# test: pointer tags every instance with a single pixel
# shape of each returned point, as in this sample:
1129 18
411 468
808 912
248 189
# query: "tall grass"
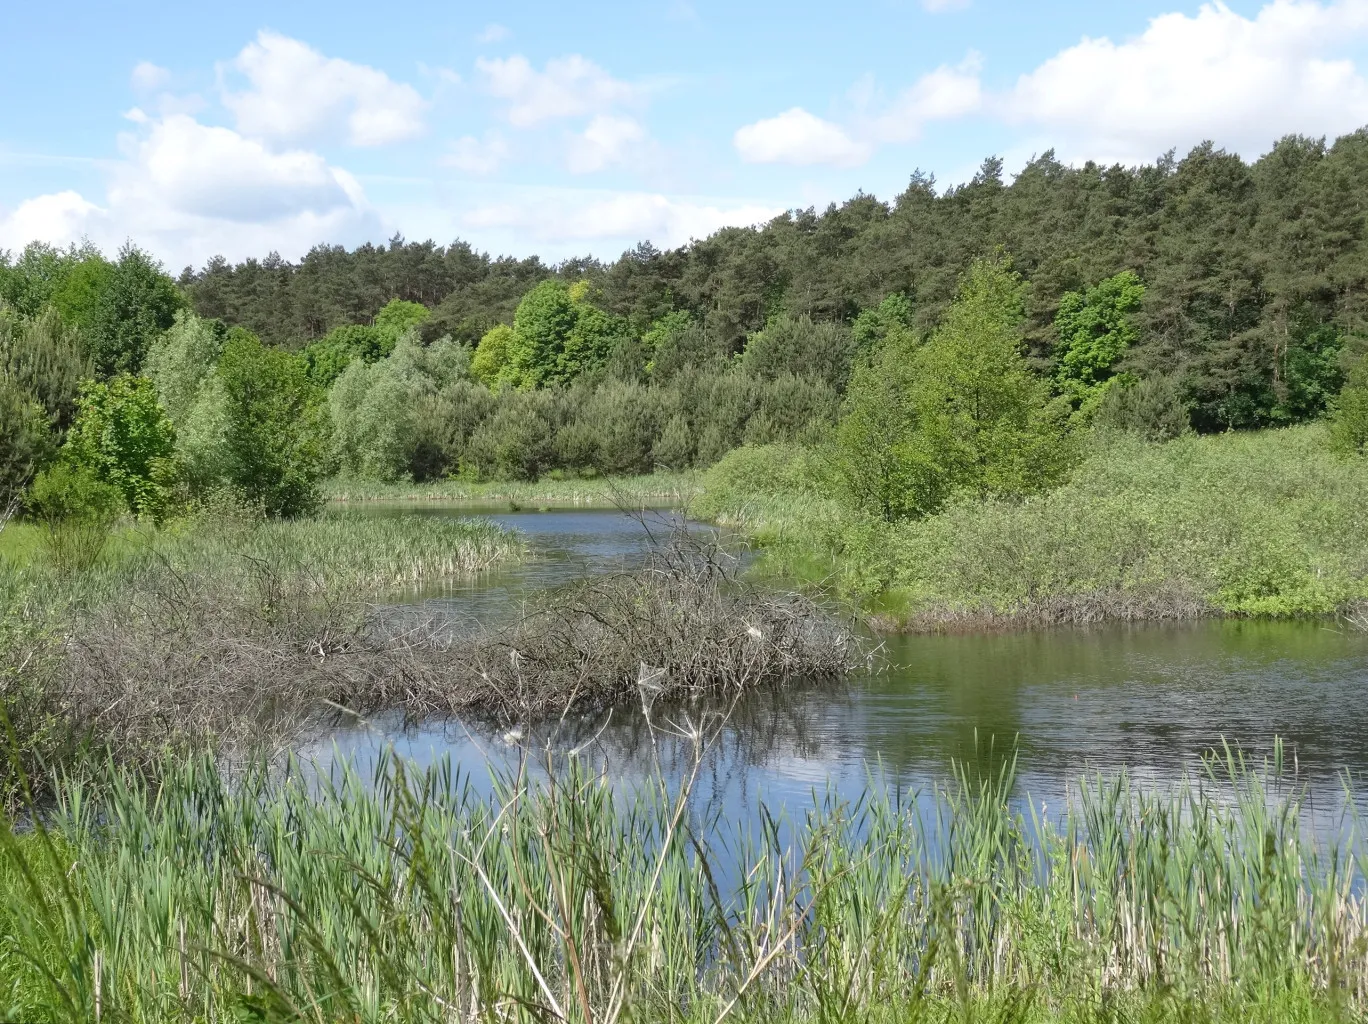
564 897
658 489
1241 524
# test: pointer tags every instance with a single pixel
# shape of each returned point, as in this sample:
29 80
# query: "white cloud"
569 87
1241 82
493 33
940 95
607 140
297 94
148 77
797 137
477 156
567 216
186 190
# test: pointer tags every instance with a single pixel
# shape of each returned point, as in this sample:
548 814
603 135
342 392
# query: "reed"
654 490
564 895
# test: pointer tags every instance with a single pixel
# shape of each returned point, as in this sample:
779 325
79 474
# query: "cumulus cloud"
798 137
946 93
570 86
607 140
148 77
477 156
1218 75
297 94
187 190
569 217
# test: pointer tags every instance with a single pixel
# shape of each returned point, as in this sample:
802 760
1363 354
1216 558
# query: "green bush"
797 346
1349 418
76 509
45 357
123 436
26 442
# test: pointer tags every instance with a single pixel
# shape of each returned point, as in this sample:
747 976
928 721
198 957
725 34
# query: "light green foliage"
397 317
961 414
1349 419
797 346
1094 329
76 509
1259 524
491 355
123 436
26 442
1212 903
557 336
180 361
275 429
136 304
663 329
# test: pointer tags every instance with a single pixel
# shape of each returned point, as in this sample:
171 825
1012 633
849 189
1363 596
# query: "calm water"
1152 700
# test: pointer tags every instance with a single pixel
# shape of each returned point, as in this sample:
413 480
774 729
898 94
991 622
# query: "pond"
1152 700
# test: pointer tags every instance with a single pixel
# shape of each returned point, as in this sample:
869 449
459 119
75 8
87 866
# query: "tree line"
943 342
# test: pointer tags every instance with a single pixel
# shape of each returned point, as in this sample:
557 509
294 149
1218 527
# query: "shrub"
123 436
44 356
25 441
796 346
275 428
76 509
1349 419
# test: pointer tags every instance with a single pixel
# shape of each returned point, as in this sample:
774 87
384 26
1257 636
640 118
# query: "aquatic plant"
563 895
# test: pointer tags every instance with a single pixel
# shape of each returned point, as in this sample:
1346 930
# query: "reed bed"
654 490
561 896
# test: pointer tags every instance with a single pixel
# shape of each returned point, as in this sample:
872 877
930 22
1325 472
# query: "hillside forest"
948 340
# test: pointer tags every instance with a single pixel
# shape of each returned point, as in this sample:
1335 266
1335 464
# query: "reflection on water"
1150 699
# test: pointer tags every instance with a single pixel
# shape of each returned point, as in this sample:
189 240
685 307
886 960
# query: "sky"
582 129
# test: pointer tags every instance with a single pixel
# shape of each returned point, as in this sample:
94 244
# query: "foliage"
491 355
123 436
1152 408
1266 523
1094 330
43 356
603 901
136 304
180 361
26 442
76 509
1349 422
961 414
274 427
796 345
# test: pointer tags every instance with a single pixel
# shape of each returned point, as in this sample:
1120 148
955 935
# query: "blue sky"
566 129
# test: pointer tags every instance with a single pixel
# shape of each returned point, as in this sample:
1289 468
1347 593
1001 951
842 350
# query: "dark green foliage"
123 436
276 427
1254 273
328 357
796 345
136 305
26 441
1152 408
44 357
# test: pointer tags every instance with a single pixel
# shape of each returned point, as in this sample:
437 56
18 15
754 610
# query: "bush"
797 346
1349 419
123 436
44 356
76 509
1152 409
276 428
26 443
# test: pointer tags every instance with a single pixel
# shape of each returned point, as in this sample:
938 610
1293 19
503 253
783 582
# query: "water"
1152 700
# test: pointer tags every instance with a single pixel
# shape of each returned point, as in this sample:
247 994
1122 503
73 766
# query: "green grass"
656 489
412 898
1260 524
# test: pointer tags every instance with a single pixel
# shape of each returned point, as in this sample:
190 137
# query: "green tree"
489 363
137 304
275 429
797 346
44 357
398 317
180 361
1094 329
26 443
961 414
123 436
543 321
1349 417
